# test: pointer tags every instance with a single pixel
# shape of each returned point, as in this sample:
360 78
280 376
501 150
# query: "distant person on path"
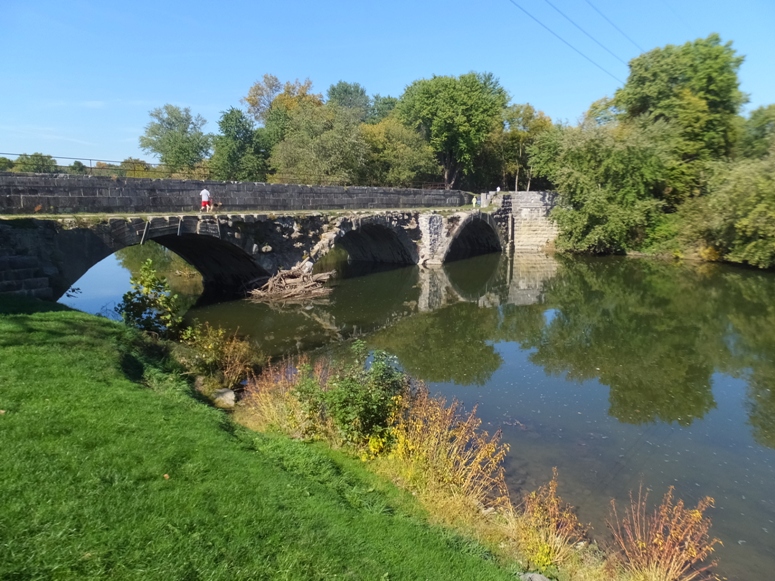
473 201
207 203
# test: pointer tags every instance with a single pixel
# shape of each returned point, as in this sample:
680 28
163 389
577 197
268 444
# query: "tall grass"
670 544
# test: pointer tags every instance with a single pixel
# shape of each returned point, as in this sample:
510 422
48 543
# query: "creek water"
619 372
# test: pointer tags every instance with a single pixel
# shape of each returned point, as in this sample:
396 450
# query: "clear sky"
78 78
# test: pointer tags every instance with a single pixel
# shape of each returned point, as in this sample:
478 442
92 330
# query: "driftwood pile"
293 286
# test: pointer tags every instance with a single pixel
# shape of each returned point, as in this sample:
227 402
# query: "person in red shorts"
207 203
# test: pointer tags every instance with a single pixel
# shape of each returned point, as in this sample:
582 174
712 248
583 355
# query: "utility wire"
678 16
561 39
624 34
600 44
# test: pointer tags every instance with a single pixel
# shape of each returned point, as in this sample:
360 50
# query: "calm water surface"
619 372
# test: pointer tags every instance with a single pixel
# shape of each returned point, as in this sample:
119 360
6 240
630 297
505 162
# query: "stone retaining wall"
68 194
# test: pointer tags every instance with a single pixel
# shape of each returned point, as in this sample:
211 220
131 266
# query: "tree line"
452 132
668 165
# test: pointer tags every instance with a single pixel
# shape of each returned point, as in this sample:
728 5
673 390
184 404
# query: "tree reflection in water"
653 332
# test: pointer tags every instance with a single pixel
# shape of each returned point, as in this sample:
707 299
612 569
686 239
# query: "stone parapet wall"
69 194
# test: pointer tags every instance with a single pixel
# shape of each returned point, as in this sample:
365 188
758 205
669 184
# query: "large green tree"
176 137
322 144
240 151
455 115
694 87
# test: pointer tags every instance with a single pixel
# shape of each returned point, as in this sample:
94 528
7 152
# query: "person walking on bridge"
207 203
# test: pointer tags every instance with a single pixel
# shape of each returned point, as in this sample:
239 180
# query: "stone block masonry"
69 194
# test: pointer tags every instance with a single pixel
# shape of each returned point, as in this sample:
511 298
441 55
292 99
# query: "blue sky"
79 77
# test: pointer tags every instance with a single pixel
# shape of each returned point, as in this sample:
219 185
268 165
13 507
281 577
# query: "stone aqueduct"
54 228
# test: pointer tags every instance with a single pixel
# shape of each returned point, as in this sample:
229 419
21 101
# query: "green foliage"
35 163
322 144
176 137
742 211
381 107
523 126
694 85
455 115
361 399
77 168
350 96
133 167
6 164
239 151
224 356
397 155
150 305
610 179
758 132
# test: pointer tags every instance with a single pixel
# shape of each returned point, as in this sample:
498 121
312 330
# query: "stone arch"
226 269
372 239
475 235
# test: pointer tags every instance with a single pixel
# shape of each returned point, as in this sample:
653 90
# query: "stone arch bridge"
235 250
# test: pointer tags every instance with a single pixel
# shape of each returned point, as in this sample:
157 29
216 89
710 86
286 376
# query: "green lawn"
94 420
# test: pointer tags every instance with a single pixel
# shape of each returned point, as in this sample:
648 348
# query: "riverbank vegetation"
439 453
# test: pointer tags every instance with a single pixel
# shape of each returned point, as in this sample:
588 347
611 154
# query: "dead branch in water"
293 285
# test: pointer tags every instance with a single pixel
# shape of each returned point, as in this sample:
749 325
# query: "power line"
678 16
600 44
624 34
567 43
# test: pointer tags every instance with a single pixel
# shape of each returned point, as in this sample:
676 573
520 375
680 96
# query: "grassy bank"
112 468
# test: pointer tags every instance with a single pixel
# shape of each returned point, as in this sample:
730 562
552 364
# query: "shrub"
362 399
150 305
546 528
228 357
668 545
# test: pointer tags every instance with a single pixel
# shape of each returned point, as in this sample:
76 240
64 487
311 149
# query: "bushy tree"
350 96
742 211
381 107
322 144
240 152
133 167
77 168
261 95
5 164
397 155
35 163
610 180
694 87
455 115
176 136
758 132
523 125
